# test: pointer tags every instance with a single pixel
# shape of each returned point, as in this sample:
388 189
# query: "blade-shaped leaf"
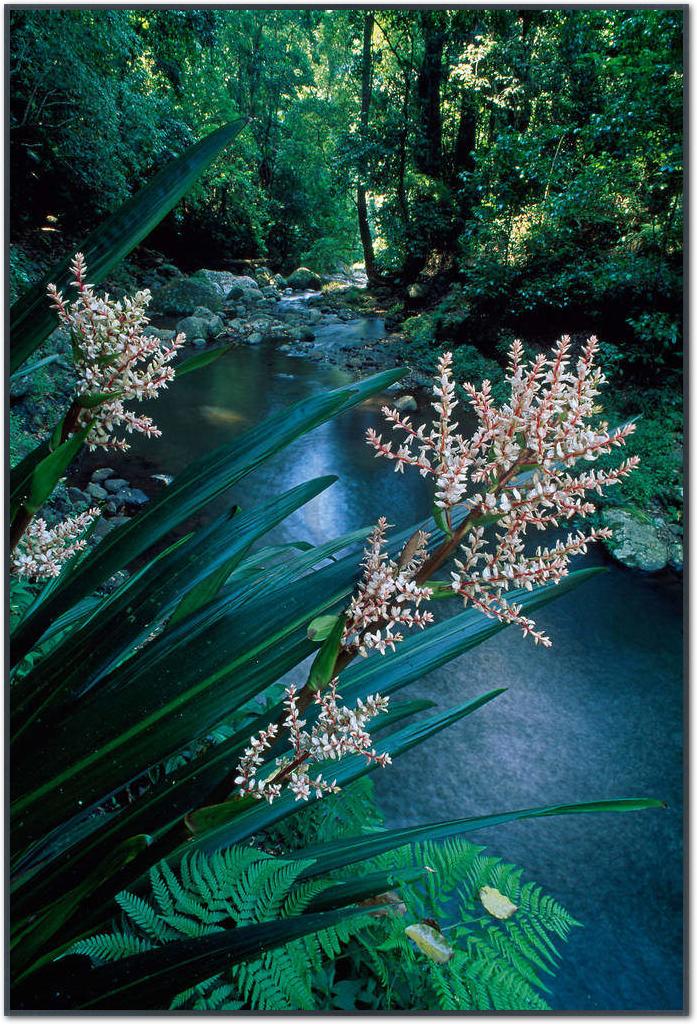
354 890
128 615
342 852
200 360
31 318
211 663
150 980
191 491
33 480
203 819
345 771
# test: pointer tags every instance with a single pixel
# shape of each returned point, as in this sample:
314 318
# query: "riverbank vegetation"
500 173
196 689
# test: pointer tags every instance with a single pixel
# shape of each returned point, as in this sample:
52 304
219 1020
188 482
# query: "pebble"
132 496
115 485
96 491
77 496
100 475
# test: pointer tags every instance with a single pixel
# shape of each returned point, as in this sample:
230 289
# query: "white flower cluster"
519 456
337 731
42 550
113 358
384 595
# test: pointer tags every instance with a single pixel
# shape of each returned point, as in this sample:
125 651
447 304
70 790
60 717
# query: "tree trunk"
402 158
428 153
463 158
361 198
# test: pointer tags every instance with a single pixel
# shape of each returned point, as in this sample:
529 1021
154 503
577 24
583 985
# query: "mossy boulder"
224 280
638 541
195 328
215 323
182 295
304 279
160 332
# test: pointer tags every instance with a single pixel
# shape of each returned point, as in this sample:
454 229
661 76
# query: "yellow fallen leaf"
496 903
430 941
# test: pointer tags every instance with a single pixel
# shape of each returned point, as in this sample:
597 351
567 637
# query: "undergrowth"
466 959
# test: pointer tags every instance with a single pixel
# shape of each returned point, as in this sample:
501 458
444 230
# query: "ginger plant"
521 470
116 361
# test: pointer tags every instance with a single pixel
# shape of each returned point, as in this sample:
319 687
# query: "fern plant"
368 962
236 887
491 964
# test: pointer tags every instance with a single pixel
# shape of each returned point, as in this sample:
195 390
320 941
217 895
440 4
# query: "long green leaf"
170 667
187 787
345 771
33 480
31 318
147 981
354 890
124 620
342 852
208 665
190 492
206 818
200 360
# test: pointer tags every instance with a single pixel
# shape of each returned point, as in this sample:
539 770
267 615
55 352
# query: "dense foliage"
144 686
533 156
142 700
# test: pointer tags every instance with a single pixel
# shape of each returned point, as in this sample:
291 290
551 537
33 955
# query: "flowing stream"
599 715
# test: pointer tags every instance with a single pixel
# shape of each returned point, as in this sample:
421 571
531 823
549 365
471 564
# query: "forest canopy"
531 158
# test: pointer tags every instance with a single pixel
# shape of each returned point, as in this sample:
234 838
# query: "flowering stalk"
517 472
337 732
115 361
383 595
42 551
519 463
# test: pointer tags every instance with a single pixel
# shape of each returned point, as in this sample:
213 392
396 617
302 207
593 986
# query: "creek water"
599 715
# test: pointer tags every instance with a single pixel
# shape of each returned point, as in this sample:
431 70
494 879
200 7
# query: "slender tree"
361 196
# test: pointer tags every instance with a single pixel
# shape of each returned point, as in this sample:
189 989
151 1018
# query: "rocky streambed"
218 306
296 318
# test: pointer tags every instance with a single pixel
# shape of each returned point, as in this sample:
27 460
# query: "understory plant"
159 767
458 930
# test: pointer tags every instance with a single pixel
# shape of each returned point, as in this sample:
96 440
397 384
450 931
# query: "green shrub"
23 272
658 442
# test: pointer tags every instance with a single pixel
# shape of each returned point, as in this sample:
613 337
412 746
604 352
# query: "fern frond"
144 916
105 948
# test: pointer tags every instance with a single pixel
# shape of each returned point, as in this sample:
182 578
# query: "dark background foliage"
532 156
